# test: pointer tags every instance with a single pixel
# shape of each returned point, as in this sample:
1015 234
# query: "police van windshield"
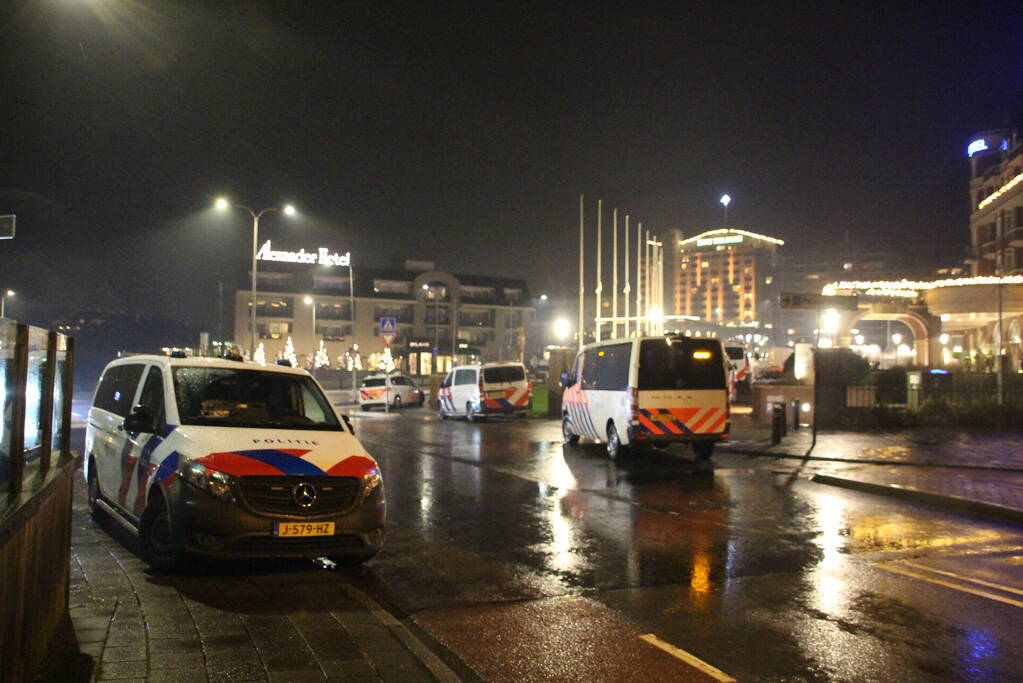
374 382
230 397
505 373
680 364
735 352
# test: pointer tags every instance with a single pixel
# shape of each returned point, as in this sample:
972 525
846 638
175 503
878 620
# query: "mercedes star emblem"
304 495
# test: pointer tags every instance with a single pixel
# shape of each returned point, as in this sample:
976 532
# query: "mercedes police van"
648 391
225 458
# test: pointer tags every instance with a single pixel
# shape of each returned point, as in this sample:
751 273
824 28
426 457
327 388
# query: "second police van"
648 391
488 389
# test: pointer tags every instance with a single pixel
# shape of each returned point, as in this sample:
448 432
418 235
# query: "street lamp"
316 347
725 201
3 300
562 329
222 204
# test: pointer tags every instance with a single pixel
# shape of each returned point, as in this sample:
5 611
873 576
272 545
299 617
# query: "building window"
512 295
476 318
477 293
480 337
392 287
330 283
273 281
1010 261
513 320
333 332
333 311
275 330
275 307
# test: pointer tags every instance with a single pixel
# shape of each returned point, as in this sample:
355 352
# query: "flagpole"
626 290
582 281
600 282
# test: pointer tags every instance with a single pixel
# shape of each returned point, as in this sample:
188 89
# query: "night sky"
464 133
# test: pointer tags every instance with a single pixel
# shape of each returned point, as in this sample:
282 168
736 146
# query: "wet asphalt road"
529 560
505 545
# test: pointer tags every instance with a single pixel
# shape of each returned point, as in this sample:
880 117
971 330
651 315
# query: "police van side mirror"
567 380
140 421
348 423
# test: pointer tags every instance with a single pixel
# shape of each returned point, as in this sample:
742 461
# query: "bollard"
777 423
795 414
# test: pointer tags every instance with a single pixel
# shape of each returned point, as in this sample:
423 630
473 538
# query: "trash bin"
778 425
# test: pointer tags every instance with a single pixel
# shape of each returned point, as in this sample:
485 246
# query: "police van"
226 458
476 391
648 391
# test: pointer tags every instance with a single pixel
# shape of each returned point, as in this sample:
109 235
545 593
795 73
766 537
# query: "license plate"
292 529
495 394
662 418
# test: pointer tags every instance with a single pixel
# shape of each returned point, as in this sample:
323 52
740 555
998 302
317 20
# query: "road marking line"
947 584
982 582
689 659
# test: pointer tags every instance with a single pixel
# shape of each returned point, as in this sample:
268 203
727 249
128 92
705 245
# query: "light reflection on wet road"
747 565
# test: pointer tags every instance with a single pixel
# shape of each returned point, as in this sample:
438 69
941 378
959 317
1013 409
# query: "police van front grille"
273 495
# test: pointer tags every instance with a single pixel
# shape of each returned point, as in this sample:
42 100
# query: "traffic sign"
388 337
818 301
388 326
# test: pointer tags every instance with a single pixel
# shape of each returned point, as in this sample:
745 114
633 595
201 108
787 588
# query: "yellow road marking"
982 582
947 584
689 659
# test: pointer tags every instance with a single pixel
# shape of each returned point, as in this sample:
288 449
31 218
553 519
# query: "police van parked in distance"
648 391
476 391
225 458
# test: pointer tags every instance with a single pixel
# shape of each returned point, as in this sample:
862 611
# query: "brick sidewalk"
276 621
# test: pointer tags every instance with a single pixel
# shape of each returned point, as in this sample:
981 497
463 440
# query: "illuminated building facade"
726 276
996 203
440 318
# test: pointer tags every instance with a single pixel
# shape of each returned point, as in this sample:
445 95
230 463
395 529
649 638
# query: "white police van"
226 458
476 391
378 391
648 391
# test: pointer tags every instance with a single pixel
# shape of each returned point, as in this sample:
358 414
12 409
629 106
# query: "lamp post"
316 347
3 301
725 201
223 204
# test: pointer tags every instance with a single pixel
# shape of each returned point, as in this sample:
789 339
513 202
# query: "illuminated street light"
725 201
222 204
830 320
896 338
3 300
562 329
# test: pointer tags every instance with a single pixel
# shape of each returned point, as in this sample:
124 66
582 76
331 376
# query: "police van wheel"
158 547
95 511
397 402
703 450
470 413
566 432
615 449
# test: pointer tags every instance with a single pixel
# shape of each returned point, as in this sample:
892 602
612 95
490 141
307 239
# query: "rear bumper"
637 434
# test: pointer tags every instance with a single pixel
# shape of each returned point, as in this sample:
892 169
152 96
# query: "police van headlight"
371 481
215 483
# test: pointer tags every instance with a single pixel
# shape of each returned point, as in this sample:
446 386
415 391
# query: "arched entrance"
926 329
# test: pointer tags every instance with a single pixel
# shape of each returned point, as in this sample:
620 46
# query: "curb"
978 508
855 461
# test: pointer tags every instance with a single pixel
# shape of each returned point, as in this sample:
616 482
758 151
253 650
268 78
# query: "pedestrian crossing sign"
388 326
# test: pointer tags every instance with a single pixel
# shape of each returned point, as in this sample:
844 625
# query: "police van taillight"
633 406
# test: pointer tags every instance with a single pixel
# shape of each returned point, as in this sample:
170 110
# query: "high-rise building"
996 203
726 276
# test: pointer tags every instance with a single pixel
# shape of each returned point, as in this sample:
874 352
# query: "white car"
225 458
476 391
395 390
